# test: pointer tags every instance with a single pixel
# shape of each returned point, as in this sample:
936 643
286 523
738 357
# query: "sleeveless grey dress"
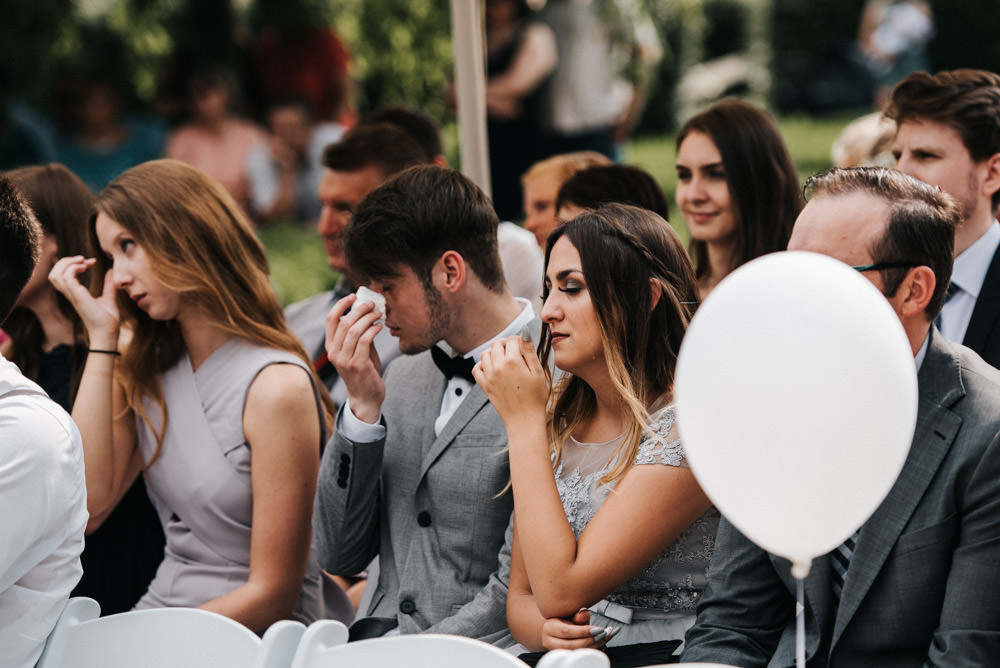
201 489
658 603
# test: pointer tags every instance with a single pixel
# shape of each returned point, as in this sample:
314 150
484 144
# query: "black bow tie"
453 366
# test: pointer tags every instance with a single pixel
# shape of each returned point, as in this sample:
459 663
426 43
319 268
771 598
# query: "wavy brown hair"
201 245
623 250
62 204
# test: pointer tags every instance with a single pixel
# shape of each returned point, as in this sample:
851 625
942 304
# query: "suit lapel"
937 425
471 405
987 309
467 410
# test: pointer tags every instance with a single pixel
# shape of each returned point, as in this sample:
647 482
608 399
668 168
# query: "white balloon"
796 398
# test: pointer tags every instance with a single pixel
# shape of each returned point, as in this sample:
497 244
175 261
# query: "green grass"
298 261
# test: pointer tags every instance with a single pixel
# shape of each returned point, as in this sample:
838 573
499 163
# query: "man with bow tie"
416 471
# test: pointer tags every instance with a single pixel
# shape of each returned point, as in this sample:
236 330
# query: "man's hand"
349 347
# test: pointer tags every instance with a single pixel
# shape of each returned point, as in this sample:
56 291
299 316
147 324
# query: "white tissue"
366 295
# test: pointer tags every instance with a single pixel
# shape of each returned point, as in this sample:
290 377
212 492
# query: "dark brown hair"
623 250
385 146
966 100
921 228
62 204
761 176
413 218
591 187
20 236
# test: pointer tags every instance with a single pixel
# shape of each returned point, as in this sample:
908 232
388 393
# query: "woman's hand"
573 633
512 377
100 315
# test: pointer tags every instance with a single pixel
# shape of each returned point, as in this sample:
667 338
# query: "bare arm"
649 508
534 60
100 410
281 424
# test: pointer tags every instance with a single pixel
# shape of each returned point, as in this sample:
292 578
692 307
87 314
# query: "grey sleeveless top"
200 483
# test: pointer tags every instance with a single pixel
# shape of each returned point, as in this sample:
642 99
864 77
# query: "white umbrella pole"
470 90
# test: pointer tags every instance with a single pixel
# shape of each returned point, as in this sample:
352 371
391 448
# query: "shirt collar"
918 359
523 318
971 265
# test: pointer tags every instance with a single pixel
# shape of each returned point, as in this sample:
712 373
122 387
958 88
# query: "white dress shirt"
44 494
968 274
455 390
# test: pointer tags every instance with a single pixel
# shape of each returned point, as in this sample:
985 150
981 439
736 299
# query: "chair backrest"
693 665
163 638
324 644
574 658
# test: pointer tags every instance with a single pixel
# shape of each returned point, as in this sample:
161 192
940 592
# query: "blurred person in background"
541 187
737 188
215 140
590 188
48 344
520 55
285 171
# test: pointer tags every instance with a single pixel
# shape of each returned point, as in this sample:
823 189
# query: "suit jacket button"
424 518
344 459
407 607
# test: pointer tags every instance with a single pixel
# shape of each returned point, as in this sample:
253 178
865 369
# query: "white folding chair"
324 645
163 638
693 665
574 658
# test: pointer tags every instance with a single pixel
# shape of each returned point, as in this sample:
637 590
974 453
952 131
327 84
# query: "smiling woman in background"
736 188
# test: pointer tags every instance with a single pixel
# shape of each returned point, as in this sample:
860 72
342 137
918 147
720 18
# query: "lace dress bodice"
675 579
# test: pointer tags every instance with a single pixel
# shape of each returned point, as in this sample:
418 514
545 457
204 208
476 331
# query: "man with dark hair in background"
948 135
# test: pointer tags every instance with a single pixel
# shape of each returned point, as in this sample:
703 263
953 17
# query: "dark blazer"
923 587
434 509
983 333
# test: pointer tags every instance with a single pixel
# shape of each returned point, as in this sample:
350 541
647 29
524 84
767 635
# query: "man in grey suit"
920 585
417 468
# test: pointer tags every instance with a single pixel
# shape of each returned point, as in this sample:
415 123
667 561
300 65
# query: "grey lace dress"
659 602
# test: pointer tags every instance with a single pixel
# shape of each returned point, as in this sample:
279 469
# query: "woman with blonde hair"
616 543
194 379
541 183
47 342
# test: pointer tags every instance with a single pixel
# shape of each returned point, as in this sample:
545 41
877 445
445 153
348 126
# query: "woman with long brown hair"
194 379
737 188
612 534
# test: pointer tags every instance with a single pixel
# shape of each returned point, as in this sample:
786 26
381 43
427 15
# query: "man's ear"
453 271
991 183
916 291
657 289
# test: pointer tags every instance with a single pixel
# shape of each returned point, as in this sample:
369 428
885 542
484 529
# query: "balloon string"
800 623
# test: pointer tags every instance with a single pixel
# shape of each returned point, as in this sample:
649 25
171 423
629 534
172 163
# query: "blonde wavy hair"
201 245
623 251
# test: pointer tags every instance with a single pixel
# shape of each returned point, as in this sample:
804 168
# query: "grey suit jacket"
433 509
923 584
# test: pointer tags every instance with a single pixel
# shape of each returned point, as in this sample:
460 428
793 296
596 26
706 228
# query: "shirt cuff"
354 429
